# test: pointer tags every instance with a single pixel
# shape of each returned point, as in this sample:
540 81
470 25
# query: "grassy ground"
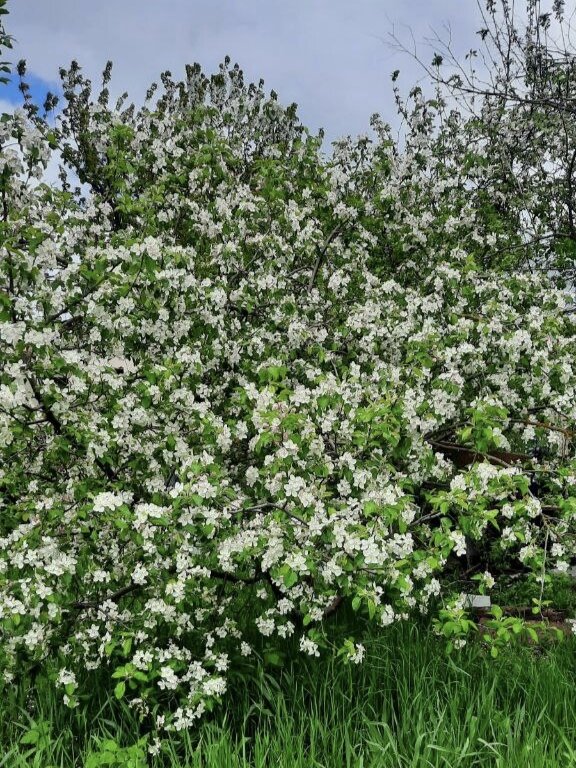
408 705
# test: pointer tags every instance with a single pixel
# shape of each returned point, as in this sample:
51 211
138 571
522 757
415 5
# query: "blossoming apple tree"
243 384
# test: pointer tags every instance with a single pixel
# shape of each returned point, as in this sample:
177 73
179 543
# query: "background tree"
515 96
5 42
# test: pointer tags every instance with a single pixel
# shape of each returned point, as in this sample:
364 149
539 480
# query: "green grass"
408 705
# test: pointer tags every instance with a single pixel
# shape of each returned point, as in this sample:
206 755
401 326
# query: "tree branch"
335 232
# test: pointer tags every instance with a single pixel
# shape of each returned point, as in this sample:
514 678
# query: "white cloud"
327 55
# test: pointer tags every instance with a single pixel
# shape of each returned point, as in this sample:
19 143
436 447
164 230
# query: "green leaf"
273 659
290 578
371 605
119 672
30 737
496 611
120 689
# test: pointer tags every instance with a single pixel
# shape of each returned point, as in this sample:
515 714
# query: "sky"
332 57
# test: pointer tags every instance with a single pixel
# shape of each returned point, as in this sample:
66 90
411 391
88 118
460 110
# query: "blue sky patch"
38 89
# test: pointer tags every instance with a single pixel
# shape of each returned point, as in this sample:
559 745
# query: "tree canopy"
244 384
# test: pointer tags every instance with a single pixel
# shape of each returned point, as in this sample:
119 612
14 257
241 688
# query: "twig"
115 596
336 231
